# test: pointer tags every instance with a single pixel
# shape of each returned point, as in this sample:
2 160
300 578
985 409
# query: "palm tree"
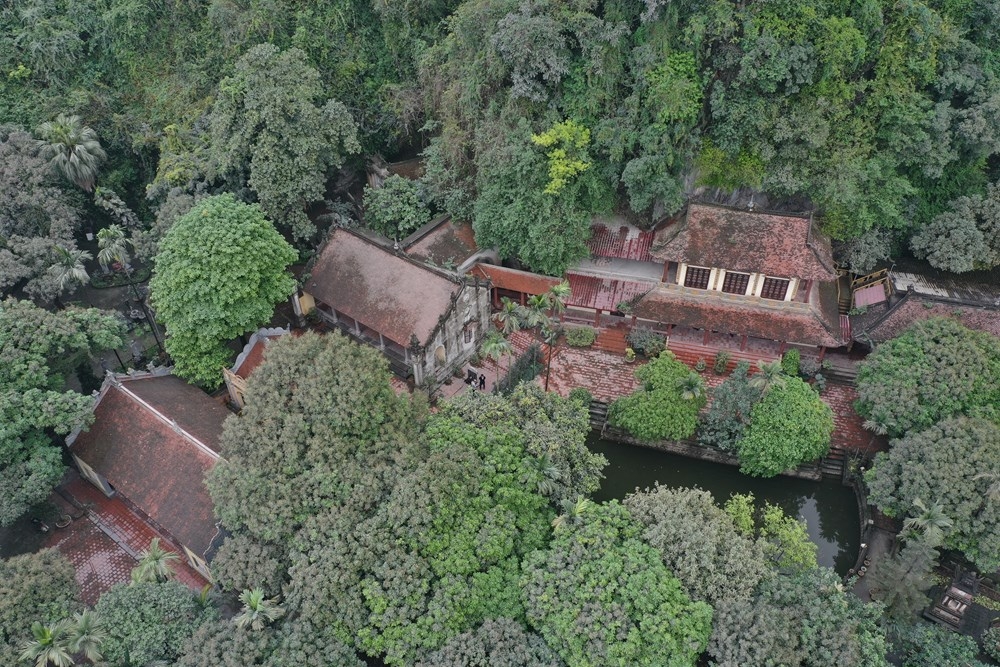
692 387
549 474
72 149
509 316
87 635
573 512
993 490
533 314
768 376
113 246
931 522
155 564
69 268
496 347
257 610
50 645
557 296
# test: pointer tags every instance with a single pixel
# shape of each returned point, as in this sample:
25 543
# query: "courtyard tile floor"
105 539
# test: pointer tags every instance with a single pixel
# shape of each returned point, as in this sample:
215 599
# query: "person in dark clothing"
482 382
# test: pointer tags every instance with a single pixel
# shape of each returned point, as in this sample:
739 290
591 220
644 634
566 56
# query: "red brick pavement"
105 543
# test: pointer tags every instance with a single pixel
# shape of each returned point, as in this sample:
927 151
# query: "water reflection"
828 508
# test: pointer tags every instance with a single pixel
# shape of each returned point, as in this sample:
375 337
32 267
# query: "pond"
829 509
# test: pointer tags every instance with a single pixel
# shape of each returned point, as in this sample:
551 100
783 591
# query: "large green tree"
935 369
39 587
955 464
36 218
273 125
219 272
600 595
788 426
964 238
149 621
499 642
40 350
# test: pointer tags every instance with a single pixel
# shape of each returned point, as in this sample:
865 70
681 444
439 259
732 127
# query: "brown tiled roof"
152 464
797 324
514 280
914 308
739 240
392 294
619 241
603 293
448 240
192 409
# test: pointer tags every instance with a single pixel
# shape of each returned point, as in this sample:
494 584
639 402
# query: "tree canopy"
955 463
934 370
39 350
396 209
219 272
600 595
788 426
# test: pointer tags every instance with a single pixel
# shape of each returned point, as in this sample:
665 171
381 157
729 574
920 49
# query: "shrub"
646 341
729 414
790 363
580 336
721 362
524 369
991 643
582 395
788 426
658 410
700 365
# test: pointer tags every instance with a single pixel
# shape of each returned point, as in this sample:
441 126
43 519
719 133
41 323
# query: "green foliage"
901 580
700 543
646 341
496 643
658 410
72 149
964 238
790 362
991 643
307 438
956 462
395 209
219 273
271 121
935 369
39 587
149 621
728 415
244 562
927 645
807 618
788 426
525 368
580 336
39 351
581 395
786 540
36 217
599 562
568 157
721 362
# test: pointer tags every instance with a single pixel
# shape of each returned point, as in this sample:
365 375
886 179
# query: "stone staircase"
598 414
832 465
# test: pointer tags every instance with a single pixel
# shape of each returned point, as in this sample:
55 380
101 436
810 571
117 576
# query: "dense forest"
883 117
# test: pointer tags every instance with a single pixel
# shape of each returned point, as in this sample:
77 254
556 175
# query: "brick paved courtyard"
105 540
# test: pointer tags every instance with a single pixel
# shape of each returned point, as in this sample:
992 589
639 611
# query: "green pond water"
828 508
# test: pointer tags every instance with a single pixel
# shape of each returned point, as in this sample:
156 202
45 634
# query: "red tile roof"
152 463
620 242
514 280
447 240
392 294
253 352
739 240
603 293
913 308
793 325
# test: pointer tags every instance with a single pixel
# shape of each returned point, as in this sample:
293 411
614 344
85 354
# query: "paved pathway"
105 541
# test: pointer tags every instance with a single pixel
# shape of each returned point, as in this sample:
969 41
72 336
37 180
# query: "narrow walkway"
105 542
